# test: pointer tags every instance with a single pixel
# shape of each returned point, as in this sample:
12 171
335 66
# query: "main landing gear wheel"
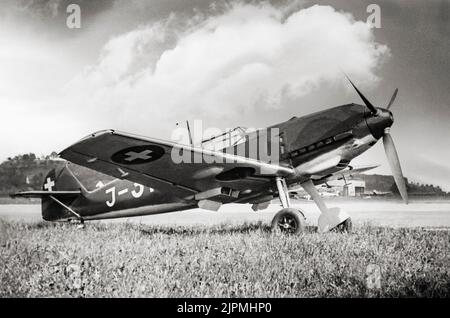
289 221
344 227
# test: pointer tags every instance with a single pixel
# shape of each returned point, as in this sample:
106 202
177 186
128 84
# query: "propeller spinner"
379 124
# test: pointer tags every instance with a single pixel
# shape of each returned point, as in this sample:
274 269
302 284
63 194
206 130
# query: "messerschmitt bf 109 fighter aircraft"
150 176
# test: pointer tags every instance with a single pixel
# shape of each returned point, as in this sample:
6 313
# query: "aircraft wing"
151 162
341 174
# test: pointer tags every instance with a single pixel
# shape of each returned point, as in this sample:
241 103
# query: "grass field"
132 260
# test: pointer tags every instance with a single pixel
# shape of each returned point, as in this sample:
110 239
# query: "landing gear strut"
330 218
288 220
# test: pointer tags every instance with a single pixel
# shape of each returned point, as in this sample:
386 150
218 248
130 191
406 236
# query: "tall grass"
131 260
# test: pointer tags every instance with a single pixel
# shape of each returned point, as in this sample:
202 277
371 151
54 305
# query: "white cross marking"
144 155
49 184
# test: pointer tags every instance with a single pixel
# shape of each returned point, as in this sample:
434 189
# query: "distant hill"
384 183
25 172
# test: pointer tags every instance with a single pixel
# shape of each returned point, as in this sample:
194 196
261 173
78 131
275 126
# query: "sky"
142 66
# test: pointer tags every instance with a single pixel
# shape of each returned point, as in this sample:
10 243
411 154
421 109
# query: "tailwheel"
344 227
289 221
81 225
79 222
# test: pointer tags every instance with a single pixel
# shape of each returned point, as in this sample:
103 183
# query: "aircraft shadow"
221 229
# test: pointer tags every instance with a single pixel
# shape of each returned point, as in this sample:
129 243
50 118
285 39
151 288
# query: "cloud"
221 65
53 8
246 58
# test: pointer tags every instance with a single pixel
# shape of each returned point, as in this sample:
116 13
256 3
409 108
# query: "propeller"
394 163
392 99
369 105
388 142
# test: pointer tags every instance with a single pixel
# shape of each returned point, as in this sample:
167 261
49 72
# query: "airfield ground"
393 213
232 256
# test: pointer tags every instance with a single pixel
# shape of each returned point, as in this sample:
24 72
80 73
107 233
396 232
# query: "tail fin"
61 179
66 188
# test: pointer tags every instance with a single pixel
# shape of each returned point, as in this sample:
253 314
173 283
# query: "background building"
350 187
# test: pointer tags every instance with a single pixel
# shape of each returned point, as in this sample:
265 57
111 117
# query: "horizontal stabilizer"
40 194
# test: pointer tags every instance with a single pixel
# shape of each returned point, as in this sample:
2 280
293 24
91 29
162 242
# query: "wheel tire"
289 221
344 227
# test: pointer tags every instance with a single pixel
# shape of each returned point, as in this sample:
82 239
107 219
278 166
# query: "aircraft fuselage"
317 144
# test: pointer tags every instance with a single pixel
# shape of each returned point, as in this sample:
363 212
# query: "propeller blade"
364 99
394 163
392 99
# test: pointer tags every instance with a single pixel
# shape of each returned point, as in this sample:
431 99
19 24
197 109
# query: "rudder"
60 179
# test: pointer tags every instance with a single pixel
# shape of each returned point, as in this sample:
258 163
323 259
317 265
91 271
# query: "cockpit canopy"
229 138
